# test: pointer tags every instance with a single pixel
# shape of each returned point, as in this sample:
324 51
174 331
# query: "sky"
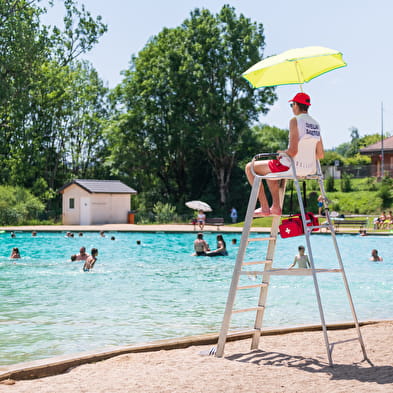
359 95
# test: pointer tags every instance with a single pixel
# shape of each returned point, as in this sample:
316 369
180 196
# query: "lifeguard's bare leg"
274 188
262 168
258 165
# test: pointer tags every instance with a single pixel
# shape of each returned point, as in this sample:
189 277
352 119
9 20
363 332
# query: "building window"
72 203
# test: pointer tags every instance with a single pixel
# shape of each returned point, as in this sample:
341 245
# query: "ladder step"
259 308
264 284
251 273
299 272
260 239
256 263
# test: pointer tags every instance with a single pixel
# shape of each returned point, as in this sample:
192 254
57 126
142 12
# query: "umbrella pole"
298 76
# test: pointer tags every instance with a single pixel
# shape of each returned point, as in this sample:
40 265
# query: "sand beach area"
294 362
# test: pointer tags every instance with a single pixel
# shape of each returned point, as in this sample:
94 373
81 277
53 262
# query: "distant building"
94 202
375 152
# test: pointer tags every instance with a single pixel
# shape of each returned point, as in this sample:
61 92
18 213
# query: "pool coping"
170 228
61 364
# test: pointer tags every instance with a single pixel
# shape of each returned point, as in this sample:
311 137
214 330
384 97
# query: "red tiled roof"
376 147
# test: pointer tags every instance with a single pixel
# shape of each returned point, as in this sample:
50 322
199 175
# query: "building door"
84 216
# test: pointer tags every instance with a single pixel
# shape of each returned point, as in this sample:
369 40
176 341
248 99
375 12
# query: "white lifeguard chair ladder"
308 168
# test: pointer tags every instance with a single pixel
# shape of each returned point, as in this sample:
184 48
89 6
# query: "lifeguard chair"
305 168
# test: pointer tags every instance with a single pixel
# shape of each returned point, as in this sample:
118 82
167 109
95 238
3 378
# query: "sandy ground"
294 362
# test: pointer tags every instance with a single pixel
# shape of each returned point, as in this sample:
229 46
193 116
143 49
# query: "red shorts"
276 166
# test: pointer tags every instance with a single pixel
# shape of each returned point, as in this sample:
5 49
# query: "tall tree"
186 101
48 101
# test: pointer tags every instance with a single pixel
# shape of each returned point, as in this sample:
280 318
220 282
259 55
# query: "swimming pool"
156 290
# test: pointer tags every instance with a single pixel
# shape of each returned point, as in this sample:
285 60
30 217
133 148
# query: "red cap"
301 98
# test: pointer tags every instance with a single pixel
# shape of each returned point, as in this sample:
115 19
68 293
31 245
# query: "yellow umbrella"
294 66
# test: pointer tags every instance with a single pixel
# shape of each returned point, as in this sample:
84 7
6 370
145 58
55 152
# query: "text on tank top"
308 128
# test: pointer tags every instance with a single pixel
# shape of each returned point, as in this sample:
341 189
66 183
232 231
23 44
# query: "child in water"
301 259
15 253
91 260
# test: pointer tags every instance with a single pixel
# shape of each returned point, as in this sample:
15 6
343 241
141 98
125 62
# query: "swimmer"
80 234
301 259
13 235
34 233
15 253
374 256
234 241
138 242
113 238
102 233
200 246
82 256
91 260
221 249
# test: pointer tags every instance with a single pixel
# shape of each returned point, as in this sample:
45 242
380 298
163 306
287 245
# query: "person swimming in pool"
82 256
221 249
15 253
200 245
91 260
301 259
375 257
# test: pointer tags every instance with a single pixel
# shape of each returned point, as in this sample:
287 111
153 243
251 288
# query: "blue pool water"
157 290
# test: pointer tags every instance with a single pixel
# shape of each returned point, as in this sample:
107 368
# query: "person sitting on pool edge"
200 246
91 260
201 219
221 249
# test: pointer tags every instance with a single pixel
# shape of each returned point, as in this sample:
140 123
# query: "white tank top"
308 128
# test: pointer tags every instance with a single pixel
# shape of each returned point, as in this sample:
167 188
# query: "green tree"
186 105
330 157
51 106
269 139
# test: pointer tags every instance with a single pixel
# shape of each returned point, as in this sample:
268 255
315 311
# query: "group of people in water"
90 260
302 261
202 248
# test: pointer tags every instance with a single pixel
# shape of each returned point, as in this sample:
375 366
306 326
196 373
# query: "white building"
94 202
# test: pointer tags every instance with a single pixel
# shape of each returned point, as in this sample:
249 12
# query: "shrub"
385 195
346 185
164 212
330 184
18 205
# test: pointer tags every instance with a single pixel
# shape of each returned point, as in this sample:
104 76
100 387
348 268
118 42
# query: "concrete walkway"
174 228
129 228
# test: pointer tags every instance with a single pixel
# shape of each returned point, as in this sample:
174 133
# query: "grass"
256 222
